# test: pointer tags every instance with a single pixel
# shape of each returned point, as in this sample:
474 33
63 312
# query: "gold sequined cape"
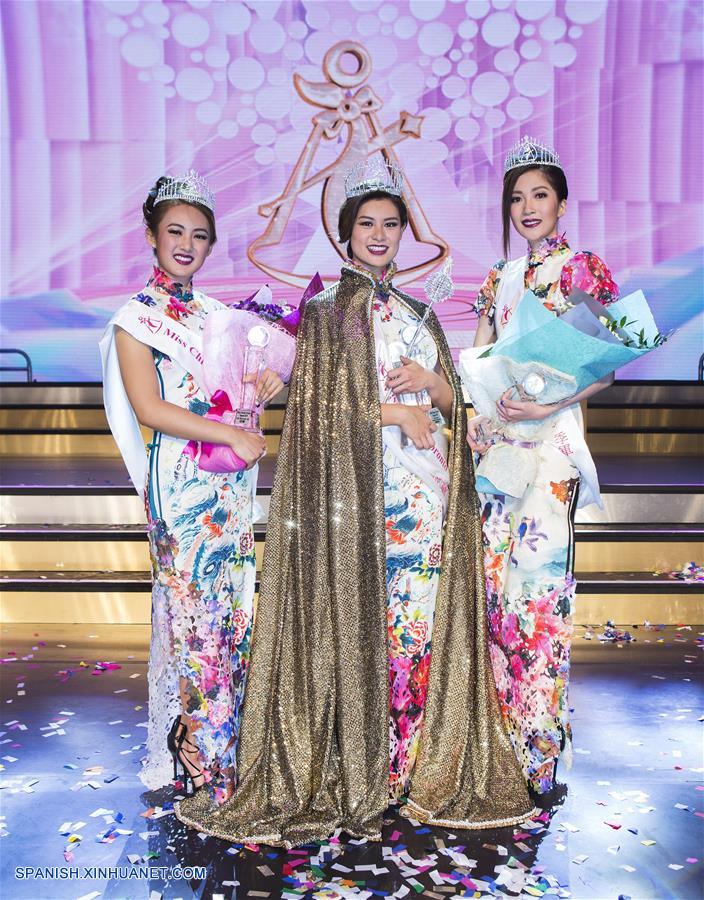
313 750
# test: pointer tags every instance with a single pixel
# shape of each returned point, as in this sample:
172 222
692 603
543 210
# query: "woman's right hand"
474 434
417 425
250 446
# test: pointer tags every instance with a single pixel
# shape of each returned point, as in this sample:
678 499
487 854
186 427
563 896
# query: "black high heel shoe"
177 739
173 741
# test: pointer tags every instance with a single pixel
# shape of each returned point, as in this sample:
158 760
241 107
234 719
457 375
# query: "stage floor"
630 824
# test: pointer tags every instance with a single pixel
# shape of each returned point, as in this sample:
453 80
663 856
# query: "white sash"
151 327
429 465
564 430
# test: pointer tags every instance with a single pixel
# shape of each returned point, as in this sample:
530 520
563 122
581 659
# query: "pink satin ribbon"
218 458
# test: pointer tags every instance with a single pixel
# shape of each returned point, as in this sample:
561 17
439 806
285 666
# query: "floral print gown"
203 565
414 522
529 544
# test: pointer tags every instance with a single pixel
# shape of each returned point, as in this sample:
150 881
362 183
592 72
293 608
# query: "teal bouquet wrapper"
547 358
578 343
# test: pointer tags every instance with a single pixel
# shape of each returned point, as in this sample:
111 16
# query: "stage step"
51 548
91 418
59 464
91 597
81 443
646 441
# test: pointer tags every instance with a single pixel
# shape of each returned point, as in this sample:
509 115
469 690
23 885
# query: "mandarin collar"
161 281
550 246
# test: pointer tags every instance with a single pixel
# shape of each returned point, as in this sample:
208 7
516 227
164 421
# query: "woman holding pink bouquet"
199 522
529 540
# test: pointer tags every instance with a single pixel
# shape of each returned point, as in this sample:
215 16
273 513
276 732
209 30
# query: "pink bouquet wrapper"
224 347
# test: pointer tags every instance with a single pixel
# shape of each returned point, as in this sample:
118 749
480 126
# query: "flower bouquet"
238 343
547 358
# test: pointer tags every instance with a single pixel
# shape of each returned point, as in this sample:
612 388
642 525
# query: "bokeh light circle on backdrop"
477 9
562 55
407 80
506 60
117 28
426 10
532 10
217 57
552 29
140 49
231 18
454 87
190 30
490 88
530 49
121 7
467 68
435 38
263 134
246 73
519 108
266 36
436 124
584 12
163 74
228 129
500 29
208 112
264 156
246 117
467 129
156 13
273 102
468 29
194 84
405 27
533 79
441 66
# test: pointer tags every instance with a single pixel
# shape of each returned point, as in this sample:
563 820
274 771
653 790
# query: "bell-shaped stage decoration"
348 113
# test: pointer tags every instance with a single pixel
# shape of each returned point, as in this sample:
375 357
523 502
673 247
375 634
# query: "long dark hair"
350 210
553 174
153 214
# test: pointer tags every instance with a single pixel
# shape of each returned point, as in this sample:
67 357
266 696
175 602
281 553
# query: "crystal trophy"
438 287
246 415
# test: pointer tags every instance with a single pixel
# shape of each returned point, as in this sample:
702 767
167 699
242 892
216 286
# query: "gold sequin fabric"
313 750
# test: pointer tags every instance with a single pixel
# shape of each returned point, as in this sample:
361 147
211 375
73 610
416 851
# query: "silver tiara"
373 175
191 188
529 152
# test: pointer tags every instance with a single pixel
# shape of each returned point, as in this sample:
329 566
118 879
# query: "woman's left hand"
268 386
410 378
520 410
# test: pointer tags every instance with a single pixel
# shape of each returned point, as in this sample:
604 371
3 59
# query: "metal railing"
27 367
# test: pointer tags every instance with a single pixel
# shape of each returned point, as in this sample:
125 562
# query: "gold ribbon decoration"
352 117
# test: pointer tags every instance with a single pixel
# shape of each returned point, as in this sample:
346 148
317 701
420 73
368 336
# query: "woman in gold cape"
313 752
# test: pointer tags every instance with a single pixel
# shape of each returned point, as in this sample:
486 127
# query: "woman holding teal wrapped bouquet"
199 522
529 540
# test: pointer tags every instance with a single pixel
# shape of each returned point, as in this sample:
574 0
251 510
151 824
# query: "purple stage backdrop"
272 101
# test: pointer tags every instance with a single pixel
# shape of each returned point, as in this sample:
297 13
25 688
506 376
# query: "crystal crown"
191 188
529 152
373 175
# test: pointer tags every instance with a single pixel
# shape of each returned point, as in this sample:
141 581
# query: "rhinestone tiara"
529 152
373 175
191 188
